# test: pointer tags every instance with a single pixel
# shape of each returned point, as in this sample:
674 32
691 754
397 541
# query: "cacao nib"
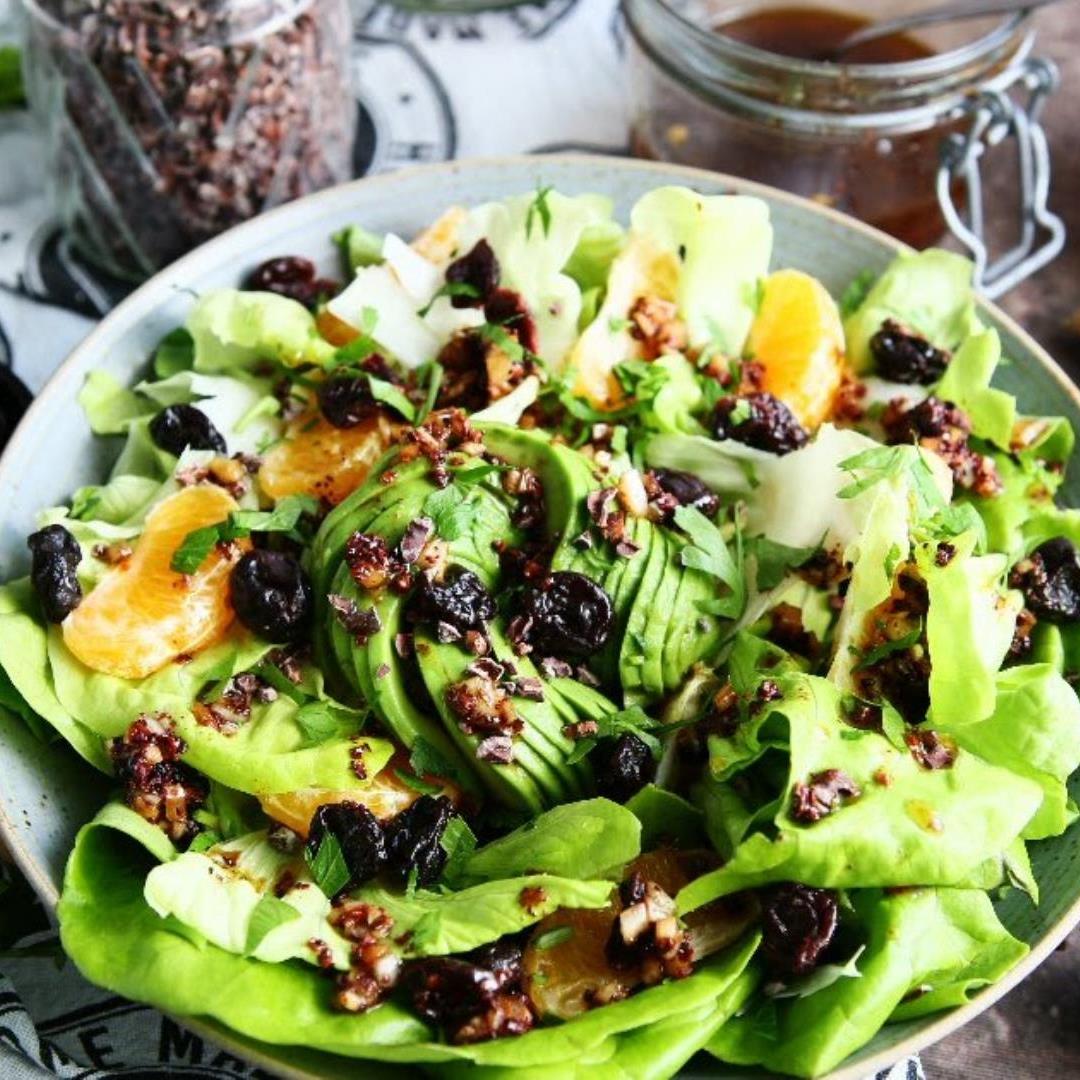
272 596
183 427
904 357
417 534
461 602
358 832
622 766
496 750
414 840
798 925
826 792
1049 578
363 624
482 707
477 269
768 424
54 561
568 615
368 559
931 750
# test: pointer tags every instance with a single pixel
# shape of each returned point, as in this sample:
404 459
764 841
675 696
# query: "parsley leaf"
416 783
539 209
319 721
708 552
452 512
268 914
327 865
631 721
459 842
426 760
775 559
887 648
435 374
195 549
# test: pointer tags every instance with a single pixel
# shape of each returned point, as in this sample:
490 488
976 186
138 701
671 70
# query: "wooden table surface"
1033 1033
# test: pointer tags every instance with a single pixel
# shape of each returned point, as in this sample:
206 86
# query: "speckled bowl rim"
949 1022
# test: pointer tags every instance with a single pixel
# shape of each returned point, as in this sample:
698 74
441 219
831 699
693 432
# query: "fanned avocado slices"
632 649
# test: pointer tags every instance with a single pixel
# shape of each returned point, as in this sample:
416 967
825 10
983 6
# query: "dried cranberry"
798 924
1050 581
180 427
346 400
292 276
271 594
622 766
479 270
905 357
54 562
509 310
567 614
687 490
461 602
759 420
359 834
446 990
414 840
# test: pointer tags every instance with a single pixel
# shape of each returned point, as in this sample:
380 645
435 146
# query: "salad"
562 647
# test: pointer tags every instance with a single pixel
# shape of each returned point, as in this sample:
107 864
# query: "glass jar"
864 138
168 121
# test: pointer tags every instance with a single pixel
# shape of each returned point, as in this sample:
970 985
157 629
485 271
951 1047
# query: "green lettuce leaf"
580 839
966 382
969 627
928 291
909 825
721 246
234 330
450 922
943 943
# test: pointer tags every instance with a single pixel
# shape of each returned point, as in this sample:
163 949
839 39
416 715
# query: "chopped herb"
892 560
320 721
631 721
459 842
539 209
555 936
887 648
435 375
267 915
775 559
617 325
741 413
415 783
452 512
426 760
327 865
708 552
393 396
451 288
195 549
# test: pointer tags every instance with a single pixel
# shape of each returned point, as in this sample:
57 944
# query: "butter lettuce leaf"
945 943
966 383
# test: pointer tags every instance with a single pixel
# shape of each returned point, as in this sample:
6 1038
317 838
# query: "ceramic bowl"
45 793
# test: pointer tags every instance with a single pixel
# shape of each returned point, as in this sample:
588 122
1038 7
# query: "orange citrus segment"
798 338
385 796
143 614
335 330
316 458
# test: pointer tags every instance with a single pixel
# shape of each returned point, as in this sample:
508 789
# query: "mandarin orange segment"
316 458
798 338
143 614
335 330
385 796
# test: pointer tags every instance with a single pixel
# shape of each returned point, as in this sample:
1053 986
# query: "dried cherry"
479 270
346 400
1050 580
291 276
687 490
447 990
622 766
759 420
54 562
414 840
359 834
798 924
180 427
272 596
905 357
566 614
461 601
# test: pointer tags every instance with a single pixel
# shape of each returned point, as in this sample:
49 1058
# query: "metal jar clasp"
997 114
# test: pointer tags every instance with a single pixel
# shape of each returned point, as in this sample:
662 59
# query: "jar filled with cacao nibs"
170 120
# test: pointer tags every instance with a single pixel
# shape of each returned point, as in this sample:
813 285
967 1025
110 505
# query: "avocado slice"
659 616
621 584
693 634
566 475
515 784
632 657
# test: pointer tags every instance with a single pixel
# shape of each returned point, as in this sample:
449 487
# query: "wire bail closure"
995 116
